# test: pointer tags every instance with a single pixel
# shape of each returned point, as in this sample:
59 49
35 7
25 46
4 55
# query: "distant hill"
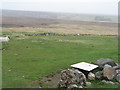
62 16
14 18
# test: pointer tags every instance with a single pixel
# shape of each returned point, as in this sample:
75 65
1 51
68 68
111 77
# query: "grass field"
26 59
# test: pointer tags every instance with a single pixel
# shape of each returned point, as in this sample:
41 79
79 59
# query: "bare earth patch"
51 81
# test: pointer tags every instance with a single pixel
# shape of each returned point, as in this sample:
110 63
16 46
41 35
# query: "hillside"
13 18
62 16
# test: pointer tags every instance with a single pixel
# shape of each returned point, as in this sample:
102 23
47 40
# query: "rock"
116 67
107 65
73 86
118 71
63 75
116 83
62 83
108 82
80 87
91 76
99 75
118 78
109 73
72 78
88 83
101 62
36 87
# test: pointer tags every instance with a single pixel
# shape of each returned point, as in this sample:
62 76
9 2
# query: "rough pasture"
27 59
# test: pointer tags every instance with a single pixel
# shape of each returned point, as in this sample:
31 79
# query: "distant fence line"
55 34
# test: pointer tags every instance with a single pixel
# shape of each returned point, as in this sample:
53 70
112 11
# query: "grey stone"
63 76
99 75
73 86
109 73
107 65
101 62
72 78
108 82
62 83
88 83
118 78
104 81
116 67
91 76
118 71
80 86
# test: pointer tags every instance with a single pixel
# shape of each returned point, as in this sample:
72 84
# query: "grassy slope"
38 56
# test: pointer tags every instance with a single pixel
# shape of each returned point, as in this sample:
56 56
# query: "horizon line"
59 12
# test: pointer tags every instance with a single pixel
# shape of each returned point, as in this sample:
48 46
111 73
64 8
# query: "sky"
106 7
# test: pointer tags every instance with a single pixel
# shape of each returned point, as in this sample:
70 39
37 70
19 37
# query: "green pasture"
26 59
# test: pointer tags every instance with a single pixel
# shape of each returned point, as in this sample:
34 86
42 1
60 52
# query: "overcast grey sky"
107 7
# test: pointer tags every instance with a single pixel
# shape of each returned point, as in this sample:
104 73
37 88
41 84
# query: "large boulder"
109 73
72 78
101 62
